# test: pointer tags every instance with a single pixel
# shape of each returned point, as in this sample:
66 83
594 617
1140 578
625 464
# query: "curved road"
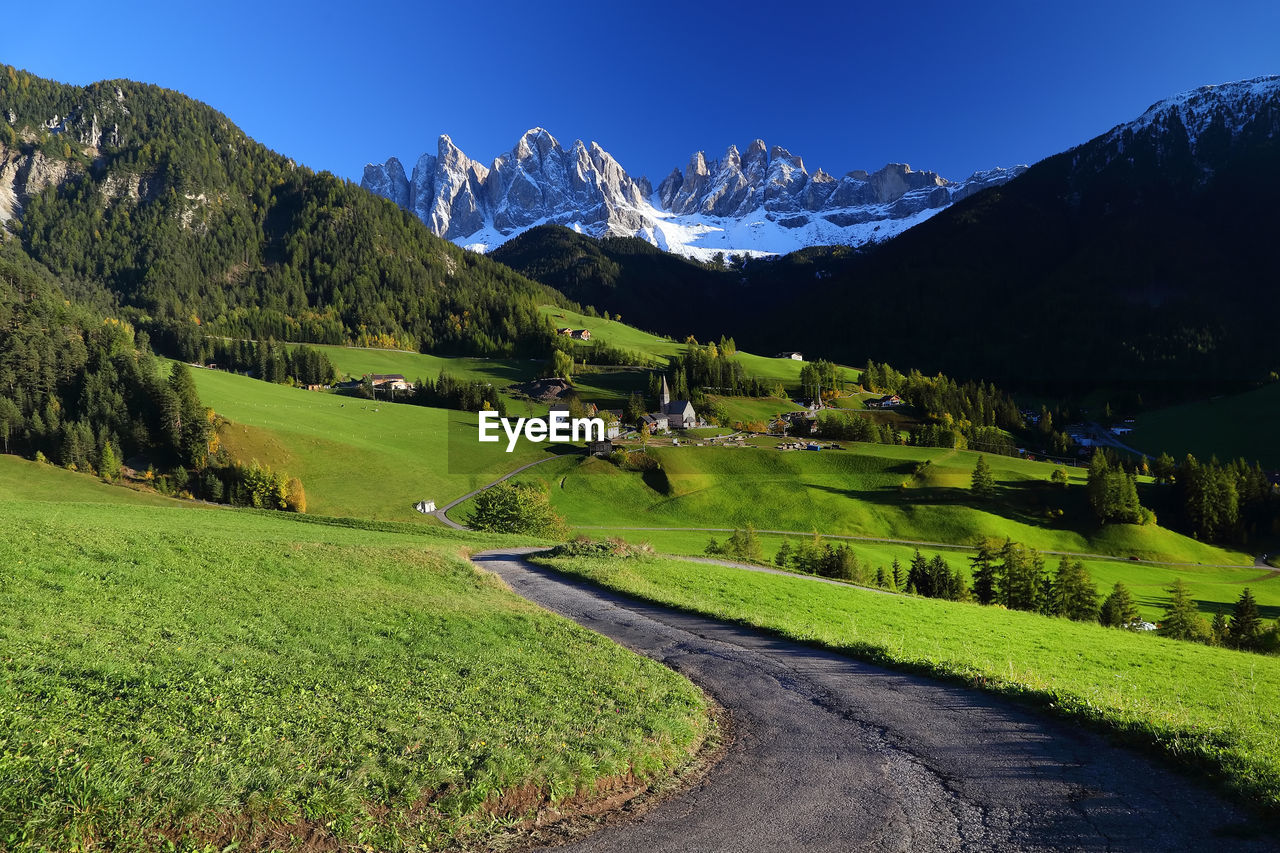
449 522
831 754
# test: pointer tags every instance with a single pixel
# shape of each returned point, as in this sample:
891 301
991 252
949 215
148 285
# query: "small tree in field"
983 482
517 508
295 498
1245 629
1181 620
108 463
1119 611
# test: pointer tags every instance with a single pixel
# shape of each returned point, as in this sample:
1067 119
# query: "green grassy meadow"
752 409
1214 590
357 457
864 490
617 333
1207 707
1241 425
175 678
24 480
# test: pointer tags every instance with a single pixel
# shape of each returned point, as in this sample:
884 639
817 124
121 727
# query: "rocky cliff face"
762 200
25 175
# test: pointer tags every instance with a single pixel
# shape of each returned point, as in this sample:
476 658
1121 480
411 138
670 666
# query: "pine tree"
108 463
983 483
1119 610
918 575
1181 620
896 573
1073 594
1218 628
784 554
1245 629
983 569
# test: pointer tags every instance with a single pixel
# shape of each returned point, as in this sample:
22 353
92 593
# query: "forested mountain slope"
142 195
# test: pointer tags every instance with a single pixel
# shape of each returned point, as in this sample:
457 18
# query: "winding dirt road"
831 754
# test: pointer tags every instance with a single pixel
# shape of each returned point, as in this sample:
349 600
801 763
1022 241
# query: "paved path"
830 754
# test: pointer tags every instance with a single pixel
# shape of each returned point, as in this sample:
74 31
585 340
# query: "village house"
581 334
388 381
889 401
794 356
612 422
655 421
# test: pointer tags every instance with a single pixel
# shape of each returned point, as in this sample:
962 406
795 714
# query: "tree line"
1015 577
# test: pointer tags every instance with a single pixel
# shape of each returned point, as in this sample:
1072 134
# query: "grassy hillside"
1214 589
1241 425
357 457
24 480
618 334
194 228
229 677
1207 707
870 490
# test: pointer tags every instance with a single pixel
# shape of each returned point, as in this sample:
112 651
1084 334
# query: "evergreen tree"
784 554
897 575
982 483
108 463
1020 573
1072 593
1119 610
1245 629
983 570
1218 628
918 578
1181 620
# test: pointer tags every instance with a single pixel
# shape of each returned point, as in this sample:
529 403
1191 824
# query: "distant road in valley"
830 754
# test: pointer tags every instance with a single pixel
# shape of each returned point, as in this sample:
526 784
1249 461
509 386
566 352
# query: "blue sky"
945 86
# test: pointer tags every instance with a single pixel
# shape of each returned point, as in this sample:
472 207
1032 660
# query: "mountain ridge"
759 201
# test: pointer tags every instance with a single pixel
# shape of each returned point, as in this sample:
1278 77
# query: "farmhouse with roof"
794 356
393 381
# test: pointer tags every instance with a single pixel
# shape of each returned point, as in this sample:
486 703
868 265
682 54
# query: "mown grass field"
866 489
356 362
174 678
754 409
1214 590
1241 425
357 457
1207 707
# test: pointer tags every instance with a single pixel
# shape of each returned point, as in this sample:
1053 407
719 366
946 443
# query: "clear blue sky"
947 86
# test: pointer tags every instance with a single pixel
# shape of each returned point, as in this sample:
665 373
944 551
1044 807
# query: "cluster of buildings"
576 334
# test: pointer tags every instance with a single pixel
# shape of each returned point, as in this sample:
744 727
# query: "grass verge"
182 679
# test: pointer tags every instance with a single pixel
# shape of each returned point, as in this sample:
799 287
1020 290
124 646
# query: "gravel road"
831 754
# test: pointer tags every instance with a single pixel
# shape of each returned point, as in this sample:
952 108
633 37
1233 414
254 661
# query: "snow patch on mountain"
1231 106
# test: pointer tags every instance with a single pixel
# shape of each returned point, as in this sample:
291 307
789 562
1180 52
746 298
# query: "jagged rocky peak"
540 181
387 180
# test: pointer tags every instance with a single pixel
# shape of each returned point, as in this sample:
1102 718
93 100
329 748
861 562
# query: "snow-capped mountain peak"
759 200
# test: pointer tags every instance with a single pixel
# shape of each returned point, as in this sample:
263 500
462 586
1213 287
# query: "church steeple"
665 399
